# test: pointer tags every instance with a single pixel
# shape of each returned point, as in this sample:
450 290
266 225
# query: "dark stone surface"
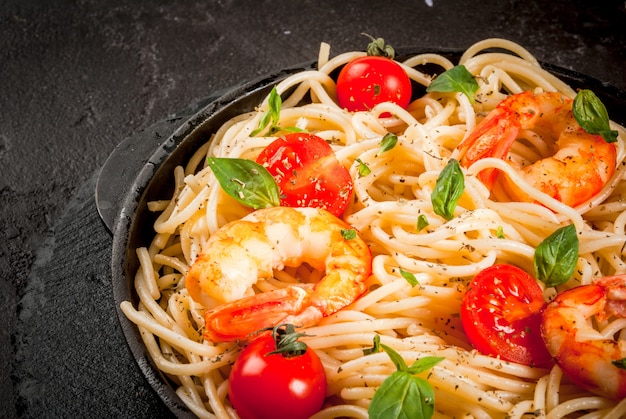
77 77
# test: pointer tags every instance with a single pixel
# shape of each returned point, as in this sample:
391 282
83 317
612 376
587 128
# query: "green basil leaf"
410 278
591 114
388 142
395 357
556 257
348 234
246 181
364 170
402 395
500 233
424 364
275 103
448 190
375 346
456 79
422 222
620 363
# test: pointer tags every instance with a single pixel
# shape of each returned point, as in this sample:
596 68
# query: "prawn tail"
492 137
243 318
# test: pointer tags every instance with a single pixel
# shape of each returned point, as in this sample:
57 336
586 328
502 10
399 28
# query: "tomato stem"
286 340
378 47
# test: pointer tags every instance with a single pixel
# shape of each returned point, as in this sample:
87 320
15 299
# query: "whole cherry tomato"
307 172
368 81
272 379
501 315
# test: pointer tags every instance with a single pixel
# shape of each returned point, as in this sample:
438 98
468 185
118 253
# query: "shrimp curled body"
588 358
577 164
243 251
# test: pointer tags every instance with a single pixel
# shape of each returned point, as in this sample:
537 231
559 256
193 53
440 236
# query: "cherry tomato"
307 172
501 315
275 386
368 81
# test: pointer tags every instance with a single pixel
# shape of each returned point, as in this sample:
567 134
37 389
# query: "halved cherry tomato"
368 81
265 385
501 315
307 172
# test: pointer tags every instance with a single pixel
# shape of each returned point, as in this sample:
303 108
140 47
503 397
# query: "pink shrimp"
243 251
590 360
581 163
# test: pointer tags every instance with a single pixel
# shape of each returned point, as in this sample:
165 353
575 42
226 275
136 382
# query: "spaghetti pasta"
416 321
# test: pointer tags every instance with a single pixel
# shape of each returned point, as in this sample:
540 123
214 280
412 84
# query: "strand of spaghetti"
532 74
613 328
476 220
418 76
477 359
367 126
197 409
501 44
189 233
588 245
556 206
554 383
211 392
323 55
379 293
444 269
321 114
186 382
178 307
539 396
520 409
580 404
185 208
147 269
179 175
493 380
613 259
455 248
397 111
348 411
498 80
222 389
169 367
156 311
361 326
407 303
340 60
150 325
298 78
171 261
196 160
428 58
597 201
619 411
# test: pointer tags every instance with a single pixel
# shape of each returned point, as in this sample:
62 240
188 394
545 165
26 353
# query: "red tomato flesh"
501 315
308 173
368 81
265 386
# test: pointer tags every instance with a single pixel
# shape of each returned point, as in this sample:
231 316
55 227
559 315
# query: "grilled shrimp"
580 163
243 251
587 357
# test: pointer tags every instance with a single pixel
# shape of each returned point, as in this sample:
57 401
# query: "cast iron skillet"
140 170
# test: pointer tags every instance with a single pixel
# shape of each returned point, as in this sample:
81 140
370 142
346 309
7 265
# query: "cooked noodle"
415 321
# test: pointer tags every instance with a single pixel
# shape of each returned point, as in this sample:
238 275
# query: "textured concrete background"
77 77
